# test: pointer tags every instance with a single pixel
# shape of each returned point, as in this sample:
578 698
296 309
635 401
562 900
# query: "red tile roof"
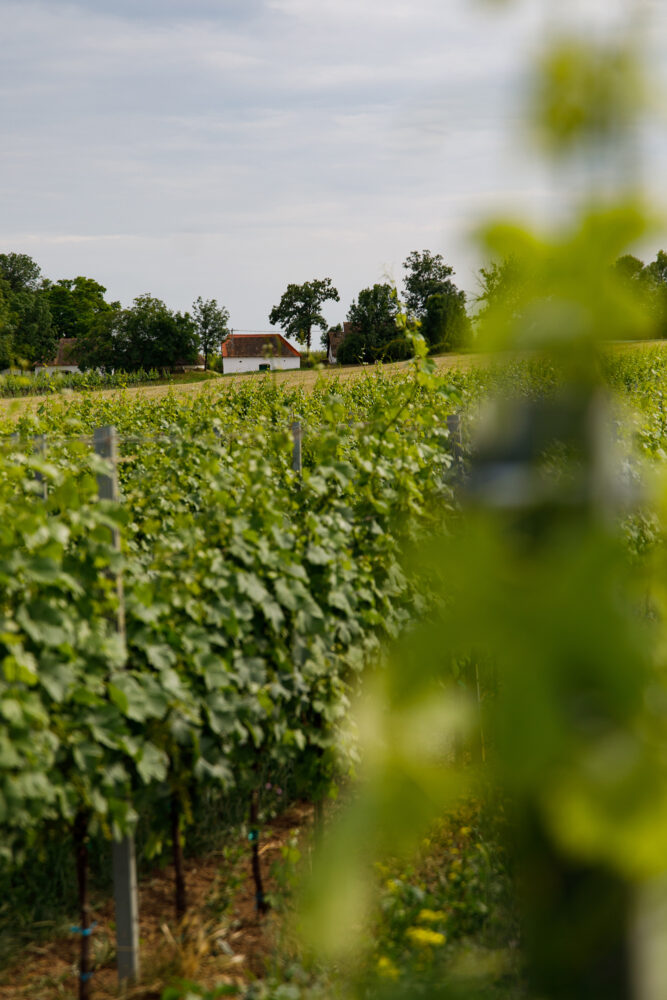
258 345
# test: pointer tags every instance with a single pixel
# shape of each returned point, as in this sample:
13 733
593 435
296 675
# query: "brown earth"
216 943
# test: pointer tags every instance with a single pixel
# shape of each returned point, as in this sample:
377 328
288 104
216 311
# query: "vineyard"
193 602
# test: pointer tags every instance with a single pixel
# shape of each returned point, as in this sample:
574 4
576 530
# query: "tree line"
36 313
378 321
378 324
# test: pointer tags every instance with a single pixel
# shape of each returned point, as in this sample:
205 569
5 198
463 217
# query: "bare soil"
210 947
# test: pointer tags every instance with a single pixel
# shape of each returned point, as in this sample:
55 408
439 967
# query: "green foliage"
550 585
254 598
648 284
147 335
20 272
429 912
427 275
40 384
64 739
33 336
585 93
432 298
211 326
76 305
352 351
502 285
26 331
446 326
299 309
565 294
375 333
314 360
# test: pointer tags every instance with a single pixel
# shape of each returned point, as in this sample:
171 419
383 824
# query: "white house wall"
232 365
56 369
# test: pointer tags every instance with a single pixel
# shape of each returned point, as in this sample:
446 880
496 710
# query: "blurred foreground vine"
562 629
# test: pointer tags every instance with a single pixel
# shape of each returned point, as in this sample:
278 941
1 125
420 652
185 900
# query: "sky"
225 148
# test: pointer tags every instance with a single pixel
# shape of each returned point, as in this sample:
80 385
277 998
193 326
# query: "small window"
265 368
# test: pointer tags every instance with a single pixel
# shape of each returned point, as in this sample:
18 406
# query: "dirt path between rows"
228 944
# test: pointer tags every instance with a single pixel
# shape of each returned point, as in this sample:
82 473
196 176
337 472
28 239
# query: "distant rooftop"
258 345
66 354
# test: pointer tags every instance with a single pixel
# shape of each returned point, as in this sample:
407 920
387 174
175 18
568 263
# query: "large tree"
77 304
20 272
6 341
28 336
426 275
34 339
299 309
649 283
147 335
629 268
374 334
446 326
503 285
211 325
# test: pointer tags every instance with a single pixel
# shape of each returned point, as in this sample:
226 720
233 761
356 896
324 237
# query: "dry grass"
306 379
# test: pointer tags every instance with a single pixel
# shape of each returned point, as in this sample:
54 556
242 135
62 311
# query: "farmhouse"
256 352
334 339
65 359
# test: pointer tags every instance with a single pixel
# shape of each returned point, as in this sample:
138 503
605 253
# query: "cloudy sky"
224 148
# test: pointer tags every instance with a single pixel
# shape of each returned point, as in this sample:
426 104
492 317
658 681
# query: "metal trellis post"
126 897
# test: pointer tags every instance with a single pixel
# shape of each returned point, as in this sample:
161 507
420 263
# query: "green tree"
374 335
20 271
629 268
76 305
446 326
28 333
649 285
502 288
427 275
299 309
211 325
654 280
657 269
6 342
33 338
147 335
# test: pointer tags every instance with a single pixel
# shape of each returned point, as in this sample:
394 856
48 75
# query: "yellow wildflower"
386 968
431 916
425 937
